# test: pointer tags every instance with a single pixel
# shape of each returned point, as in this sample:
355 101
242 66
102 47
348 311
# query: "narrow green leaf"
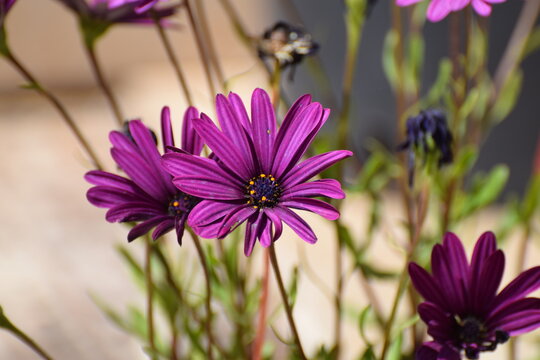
508 97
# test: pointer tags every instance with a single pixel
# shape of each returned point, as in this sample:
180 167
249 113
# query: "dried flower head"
287 44
259 175
428 135
463 311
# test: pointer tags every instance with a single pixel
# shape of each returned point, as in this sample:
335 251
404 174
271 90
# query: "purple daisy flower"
119 11
148 194
258 176
462 310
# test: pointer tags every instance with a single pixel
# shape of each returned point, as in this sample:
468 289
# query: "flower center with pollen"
263 191
182 203
475 337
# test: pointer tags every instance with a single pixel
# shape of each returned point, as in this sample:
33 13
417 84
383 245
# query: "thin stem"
208 299
283 293
26 339
149 298
205 30
514 50
372 297
200 47
237 23
403 279
174 61
263 307
59 107
102 82
338 308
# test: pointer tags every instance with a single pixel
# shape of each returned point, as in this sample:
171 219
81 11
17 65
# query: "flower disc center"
263 191
182 203
475 337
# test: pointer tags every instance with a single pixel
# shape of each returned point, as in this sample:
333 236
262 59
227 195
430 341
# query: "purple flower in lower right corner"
463 312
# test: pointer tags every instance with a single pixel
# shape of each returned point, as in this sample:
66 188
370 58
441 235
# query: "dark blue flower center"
474 337
182 203
263 191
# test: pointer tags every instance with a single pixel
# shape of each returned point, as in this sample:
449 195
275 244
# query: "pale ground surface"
56 249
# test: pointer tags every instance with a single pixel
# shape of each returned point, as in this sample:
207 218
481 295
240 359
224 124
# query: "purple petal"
178 164
527 282
290 149
444 272
263 121
278 225
490 278
106 196
426 286
295 222
132 212
320 207
222 146
148 150
499 318
240 111
166 129
234 219
325 187
209 211
437 10
233 129
264 231
485 246
141 174
98 177
207 189
313 166
120 141
179 225
251 233
163 228
145 227
191 141
481 7
520 322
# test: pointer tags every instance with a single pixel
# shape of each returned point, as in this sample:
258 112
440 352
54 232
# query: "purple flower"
462 310
439 9
119 11
427 133
258 176
147 195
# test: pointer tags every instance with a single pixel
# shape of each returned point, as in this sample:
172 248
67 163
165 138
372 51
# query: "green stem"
283 293
208 299
200 46
59 107
102 82
27 340
149 297
174 61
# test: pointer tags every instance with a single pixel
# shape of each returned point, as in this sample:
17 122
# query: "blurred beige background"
56 249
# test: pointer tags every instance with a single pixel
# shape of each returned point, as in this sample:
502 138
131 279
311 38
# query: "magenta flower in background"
5 5
147 195
119 11
439 9
462 310
258 176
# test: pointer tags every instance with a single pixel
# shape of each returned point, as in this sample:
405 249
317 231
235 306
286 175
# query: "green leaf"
477 50
531 200
507 97
533 43
362 319
292 288
441 85
369 354
372 272
394 351
390 64
414 61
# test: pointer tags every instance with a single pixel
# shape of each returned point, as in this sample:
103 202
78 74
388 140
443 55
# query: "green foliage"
390 62
508 96
533 43
394 352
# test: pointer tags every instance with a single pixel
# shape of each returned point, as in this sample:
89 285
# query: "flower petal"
278 225
264 231
263 122
481 7
320 207
438 10
520 322
98 177
179 225
234 219
240 111
191 141
163 228
325 187
209 211
227 152
485 246
144 227
133 211
490 279
527 282
251 233
290 149
313 166
207 188
295 222
500 317
426 286
444 272
167 137
107 197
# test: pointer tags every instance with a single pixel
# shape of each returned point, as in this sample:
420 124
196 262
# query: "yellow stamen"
262 175
263 198
252 192
176 203
252 183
